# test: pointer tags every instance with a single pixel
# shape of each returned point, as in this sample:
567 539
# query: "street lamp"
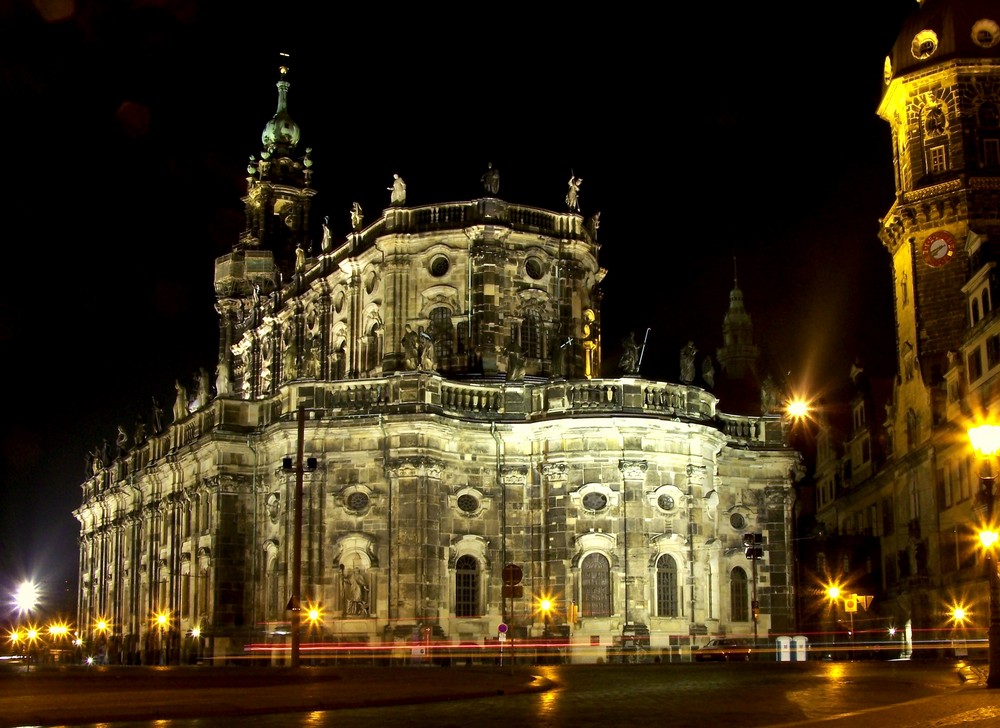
162 619
196 636
101 626
27 597
986 442
836 595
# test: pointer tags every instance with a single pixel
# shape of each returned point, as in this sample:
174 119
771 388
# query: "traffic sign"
512 574
502 628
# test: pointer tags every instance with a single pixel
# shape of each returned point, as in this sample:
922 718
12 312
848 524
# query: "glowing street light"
102 627
162 621
986 442
797 409
27 597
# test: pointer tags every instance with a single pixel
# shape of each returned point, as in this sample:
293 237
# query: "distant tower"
738 355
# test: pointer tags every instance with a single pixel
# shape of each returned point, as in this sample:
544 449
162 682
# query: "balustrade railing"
410 392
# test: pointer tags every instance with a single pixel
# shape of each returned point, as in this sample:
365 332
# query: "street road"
742 695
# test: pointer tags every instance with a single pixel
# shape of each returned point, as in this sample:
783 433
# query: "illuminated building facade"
899 488
432 386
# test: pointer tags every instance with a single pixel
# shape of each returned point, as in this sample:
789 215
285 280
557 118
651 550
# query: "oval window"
439 266
737 521
595 501
924 44
533 267
468 503
666 502
357 501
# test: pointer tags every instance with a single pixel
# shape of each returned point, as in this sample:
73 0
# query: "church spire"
281 134
738 353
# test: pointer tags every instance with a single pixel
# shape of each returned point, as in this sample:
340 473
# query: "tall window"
273 605
531 339
975 365
466 587
993 351
595 578
666 586
443 334
372 354
739 595
936 161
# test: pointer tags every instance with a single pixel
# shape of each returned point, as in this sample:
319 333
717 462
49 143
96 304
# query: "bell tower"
274 243
941 99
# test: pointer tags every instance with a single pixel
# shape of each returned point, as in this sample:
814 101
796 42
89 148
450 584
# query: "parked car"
723 649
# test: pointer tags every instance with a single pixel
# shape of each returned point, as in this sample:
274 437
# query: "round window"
439 266
595 501
924 44
533 267
357 501
986 33
666 502
468 503
737 521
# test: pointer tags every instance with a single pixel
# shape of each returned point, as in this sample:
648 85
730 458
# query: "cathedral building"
408 429
898 492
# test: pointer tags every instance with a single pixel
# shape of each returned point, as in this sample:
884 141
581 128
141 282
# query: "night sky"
746 134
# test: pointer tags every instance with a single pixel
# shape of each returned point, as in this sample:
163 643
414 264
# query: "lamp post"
545 607
986 442
102 627
196 638
161 619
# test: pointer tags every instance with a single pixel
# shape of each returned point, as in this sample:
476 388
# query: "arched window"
666 586
595 586
975 311
739 596
272 603
442 334
466 587
531 337
372 353
986 301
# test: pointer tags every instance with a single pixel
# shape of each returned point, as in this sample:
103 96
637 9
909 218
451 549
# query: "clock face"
939 248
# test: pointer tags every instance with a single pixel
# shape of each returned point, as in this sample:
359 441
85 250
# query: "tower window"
531 340
924 44
442 334
991 152
987 115
986 33
936 161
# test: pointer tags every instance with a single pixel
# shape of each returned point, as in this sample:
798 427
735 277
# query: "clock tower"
941 99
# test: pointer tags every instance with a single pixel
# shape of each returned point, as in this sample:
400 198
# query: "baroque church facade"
899 499
408 429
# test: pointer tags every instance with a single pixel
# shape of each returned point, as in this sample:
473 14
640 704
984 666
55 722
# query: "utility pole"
753 544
